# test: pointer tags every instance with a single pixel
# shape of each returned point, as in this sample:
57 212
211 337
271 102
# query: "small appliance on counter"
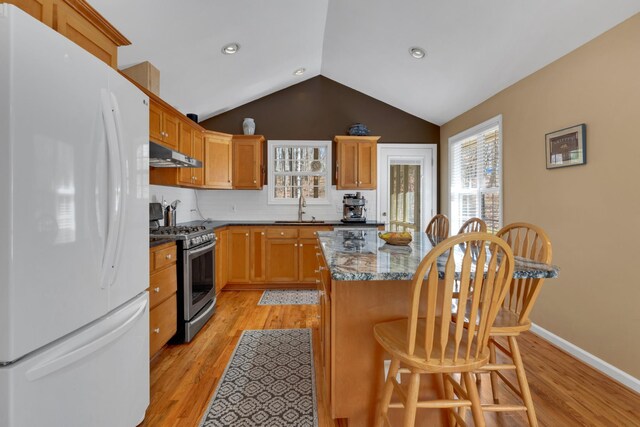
353 209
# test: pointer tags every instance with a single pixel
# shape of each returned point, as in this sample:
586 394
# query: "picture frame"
566 147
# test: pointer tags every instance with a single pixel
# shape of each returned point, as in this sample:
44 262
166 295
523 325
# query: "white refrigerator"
74 316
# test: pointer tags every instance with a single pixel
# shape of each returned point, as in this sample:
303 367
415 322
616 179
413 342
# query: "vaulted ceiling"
474 49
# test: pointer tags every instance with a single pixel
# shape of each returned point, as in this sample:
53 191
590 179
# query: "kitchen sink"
299 222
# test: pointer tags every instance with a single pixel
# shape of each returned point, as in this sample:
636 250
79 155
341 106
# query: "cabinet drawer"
162 284
310 232
164 257
162 324
282 233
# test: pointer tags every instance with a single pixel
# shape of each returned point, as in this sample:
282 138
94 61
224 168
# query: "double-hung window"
475 175
299 167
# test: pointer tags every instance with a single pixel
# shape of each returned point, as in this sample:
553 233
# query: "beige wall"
591 212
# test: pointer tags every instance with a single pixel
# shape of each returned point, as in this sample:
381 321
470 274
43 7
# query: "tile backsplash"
186 210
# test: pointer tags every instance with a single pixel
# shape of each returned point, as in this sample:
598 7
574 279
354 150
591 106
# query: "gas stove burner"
180 229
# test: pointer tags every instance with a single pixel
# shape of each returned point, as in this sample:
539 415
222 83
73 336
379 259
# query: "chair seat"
392 336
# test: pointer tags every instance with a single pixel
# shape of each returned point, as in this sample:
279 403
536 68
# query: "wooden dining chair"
438 227
436 343
531 242
473 225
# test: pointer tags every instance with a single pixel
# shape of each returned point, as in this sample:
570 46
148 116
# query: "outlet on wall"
233 208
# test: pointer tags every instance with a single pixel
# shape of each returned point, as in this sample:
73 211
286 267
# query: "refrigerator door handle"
114 190
117 120
115 326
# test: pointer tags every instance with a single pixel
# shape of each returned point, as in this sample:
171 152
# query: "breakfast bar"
365 281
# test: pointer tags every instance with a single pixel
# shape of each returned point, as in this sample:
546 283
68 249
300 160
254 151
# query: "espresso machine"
353 209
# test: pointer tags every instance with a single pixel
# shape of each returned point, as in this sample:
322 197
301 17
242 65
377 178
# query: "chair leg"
387 391
448 394
472 391
493 374
522 381
412 400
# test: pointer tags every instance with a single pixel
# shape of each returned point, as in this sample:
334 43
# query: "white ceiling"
474 49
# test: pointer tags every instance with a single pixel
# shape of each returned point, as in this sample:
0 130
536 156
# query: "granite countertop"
361 255
248 223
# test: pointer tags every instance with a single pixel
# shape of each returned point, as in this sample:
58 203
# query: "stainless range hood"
163 157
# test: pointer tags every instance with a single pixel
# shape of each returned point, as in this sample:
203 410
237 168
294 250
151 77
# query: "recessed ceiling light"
299 71
231 48
417 52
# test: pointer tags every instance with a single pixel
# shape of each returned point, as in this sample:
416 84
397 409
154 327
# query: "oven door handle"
199 251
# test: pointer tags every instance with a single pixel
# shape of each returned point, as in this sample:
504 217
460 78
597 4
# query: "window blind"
475 176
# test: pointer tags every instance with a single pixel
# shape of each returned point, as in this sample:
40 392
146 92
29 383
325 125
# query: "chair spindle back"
438 227
473 225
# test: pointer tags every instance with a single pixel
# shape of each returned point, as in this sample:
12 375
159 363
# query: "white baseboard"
588 358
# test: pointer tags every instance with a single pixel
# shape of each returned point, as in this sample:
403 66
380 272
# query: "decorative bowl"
358 129
398 239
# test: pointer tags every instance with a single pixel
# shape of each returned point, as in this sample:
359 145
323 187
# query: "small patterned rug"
289 297
269 381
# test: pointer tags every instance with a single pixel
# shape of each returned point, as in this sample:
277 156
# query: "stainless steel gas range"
196 276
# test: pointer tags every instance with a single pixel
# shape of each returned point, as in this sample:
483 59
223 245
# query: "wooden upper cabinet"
80 23
217 160
248 162
356 162
198 153
185 146
164 125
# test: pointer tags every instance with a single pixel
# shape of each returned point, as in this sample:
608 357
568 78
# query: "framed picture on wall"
566 147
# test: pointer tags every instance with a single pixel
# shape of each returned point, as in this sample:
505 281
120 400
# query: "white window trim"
497 120
271 180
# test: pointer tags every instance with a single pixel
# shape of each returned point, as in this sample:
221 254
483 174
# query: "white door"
407 185
98 376
52 232
130 108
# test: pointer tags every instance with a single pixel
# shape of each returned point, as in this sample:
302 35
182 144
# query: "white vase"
248 126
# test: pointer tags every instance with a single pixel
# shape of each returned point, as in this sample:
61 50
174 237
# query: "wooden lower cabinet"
163 284
272 257
325 329
239 255
282 260
221 260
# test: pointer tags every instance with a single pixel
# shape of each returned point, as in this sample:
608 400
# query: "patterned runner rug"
269 382
289 297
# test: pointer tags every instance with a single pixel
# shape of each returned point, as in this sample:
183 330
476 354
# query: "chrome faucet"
302 203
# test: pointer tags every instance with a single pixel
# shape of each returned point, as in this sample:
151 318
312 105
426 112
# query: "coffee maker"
353 209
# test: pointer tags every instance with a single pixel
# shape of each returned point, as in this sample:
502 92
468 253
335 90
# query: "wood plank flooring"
183 377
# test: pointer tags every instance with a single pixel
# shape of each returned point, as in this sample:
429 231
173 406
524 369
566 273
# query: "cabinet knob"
247 234
156 290
300 244
254 181
156 330
168 256
322 268
295 244
316 271
262 233
282 233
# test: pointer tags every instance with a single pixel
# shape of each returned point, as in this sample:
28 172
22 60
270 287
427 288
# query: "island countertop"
362 255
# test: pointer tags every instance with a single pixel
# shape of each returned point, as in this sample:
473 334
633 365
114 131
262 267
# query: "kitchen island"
364 282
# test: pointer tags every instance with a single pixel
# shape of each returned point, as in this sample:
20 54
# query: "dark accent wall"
320 108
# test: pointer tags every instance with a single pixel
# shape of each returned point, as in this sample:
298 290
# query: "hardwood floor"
183 377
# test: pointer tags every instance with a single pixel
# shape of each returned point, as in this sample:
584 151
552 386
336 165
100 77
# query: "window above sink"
299 167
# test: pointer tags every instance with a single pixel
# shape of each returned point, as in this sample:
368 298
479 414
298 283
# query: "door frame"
384 169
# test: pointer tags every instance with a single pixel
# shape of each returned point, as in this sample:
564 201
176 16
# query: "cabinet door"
217 162
185 175
239 255
325 329
222 247
247 164
307 261
42 10
347 165
155 122
367 165
171 129
258 255
78 29
198 153
282 260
